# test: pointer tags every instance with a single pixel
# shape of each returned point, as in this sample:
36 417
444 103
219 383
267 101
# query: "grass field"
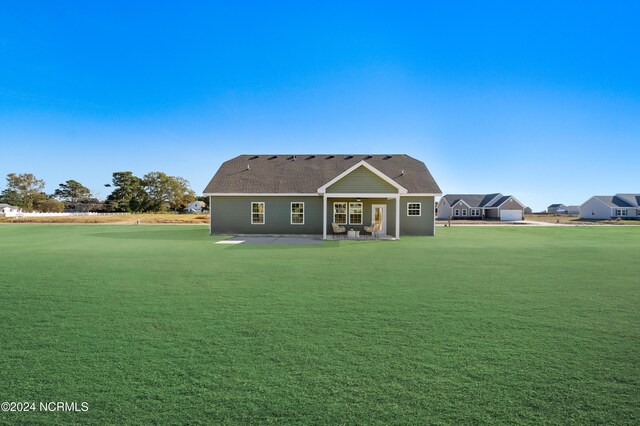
158 325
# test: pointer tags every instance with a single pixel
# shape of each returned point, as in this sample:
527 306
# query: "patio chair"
338 229
370 229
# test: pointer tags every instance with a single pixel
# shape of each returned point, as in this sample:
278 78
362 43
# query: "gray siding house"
624 206
306 194
480 206
556 208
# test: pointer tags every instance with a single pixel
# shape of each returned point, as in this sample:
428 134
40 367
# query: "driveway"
273 240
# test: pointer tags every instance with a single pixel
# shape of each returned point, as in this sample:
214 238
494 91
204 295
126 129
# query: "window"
413 209
355 213
340 213
297 213
621 212
464 212
475 212
456 212
257 213
638 212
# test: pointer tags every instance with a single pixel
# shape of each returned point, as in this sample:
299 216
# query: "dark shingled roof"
613 201
305 173
500 200
632 198
472 200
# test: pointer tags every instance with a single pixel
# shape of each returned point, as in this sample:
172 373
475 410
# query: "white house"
7 210
195 207
625 206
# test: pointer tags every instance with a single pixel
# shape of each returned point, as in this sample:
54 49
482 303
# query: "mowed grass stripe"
477 325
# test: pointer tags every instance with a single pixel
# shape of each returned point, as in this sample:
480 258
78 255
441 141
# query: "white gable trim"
362 163
631 201
511 197
460 201
493 200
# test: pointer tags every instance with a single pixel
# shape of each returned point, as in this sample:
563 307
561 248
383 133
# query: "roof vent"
273 157
330 157
248 167
254 157
310 157
348 157
368 157
402 174
291 157
386 157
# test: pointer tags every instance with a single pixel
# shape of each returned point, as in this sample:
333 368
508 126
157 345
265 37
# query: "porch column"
397 217
210 217
324 216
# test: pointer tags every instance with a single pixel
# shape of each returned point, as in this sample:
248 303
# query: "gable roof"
3 205
472 200
552 206
613 201
504 199
369 167
630 198
306 173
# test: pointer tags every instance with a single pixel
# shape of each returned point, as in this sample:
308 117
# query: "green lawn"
157 324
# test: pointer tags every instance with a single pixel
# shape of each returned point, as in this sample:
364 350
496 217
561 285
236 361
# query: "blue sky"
540 99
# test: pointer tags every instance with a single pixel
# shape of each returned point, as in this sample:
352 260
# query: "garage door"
510 214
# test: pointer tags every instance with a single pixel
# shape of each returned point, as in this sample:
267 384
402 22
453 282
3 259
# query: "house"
625 206
307 194
480 206
573 210
527 210
7 210
553 208
195 207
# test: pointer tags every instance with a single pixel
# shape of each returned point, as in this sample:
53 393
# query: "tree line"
154 192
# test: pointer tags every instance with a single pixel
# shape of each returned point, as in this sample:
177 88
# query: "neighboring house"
480 206
7 210
305 194
556 208
625 206
195 207
527 210
573 210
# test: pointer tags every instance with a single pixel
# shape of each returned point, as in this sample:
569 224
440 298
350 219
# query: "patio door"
379 216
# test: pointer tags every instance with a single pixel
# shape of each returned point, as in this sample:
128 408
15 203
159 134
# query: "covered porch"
352 213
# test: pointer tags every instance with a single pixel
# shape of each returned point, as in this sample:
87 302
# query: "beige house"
480 206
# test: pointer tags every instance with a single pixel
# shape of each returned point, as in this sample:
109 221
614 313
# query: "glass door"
379 218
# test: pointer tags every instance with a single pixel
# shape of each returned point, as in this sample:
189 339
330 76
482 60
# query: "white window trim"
621 212
477 212
456 212
346 212
291 213
264 212
465 212
361 213
419 209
